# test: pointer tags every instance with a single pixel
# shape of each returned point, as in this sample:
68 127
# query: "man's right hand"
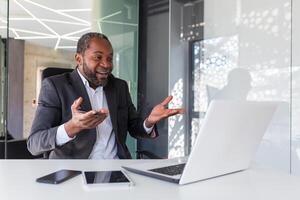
83 120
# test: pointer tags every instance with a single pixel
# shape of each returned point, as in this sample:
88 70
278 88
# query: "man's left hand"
161 112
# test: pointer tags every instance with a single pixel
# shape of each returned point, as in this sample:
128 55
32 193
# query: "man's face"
97 62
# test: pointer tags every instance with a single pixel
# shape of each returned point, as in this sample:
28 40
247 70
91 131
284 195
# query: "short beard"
92 78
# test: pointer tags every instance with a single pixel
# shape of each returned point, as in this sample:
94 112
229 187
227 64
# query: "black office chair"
16 148
51 71
146 155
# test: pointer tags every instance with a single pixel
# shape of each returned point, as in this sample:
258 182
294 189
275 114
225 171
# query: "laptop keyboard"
170 170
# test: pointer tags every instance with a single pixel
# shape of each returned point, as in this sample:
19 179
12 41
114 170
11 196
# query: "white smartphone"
106 178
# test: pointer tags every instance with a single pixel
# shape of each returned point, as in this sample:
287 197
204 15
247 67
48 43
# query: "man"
87 113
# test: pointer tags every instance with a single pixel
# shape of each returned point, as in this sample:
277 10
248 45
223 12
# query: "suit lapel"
111 98
80 90
89 137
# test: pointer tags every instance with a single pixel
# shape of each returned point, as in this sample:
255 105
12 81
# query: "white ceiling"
52 23
59 23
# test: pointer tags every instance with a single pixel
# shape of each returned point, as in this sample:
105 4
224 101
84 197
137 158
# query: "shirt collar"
86 83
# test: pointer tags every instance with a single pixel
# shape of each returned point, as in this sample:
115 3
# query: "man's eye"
97 57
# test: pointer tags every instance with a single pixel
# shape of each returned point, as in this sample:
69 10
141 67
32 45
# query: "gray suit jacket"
54 108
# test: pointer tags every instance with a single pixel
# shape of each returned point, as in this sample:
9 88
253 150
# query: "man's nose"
105 64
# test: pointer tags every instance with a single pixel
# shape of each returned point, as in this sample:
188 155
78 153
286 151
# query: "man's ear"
78 58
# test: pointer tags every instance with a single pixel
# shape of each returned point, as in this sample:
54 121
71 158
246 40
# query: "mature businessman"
86 114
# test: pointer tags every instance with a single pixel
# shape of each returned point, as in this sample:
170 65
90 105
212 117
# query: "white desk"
17 182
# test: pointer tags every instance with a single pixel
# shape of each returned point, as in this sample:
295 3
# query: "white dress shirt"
105 146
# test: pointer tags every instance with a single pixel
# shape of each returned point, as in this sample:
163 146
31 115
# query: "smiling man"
87 113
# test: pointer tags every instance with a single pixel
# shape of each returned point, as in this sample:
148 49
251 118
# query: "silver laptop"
228 139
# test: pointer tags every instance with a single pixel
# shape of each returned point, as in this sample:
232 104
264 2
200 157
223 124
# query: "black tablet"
92 178
58 176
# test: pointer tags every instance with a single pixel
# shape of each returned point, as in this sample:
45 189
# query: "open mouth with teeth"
102 74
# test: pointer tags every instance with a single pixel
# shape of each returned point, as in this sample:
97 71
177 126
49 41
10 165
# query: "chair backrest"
51 71
15 148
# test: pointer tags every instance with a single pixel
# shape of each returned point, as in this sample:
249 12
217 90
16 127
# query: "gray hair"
84 41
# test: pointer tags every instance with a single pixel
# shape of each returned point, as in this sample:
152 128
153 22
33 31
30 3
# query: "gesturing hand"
160 112
83 120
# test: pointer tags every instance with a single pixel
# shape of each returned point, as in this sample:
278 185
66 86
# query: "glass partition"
119 21
3 74
43 34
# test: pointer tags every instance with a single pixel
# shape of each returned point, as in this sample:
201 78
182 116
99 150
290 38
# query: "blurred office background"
196 50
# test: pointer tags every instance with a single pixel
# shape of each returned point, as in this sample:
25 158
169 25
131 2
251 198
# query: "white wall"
38 56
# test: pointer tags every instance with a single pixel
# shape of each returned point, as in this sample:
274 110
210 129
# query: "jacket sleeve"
46 121
135 123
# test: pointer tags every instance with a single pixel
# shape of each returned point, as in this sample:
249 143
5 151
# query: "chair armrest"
146 154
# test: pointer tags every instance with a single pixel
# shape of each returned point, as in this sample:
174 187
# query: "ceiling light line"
99 26
32 32
57 43
33 16
64 22
15 32
122 23
35 37
79 31
58 12
75 10
111 15
48 20
21 19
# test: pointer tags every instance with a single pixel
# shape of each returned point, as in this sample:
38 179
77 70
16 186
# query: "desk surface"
17 181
